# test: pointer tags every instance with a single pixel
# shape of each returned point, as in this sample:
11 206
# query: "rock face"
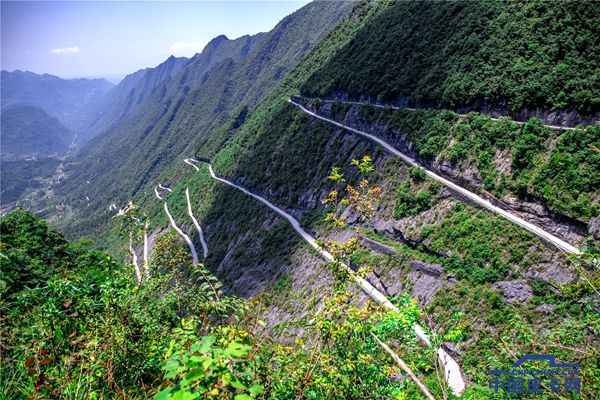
429 269
594 227
464 173
425 286
551 273
545 308
378 247
427 279
514 292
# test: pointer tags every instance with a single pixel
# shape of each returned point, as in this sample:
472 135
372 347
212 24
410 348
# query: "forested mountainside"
184 110
30 131
132 92
524 59
31 143
337 232
72 101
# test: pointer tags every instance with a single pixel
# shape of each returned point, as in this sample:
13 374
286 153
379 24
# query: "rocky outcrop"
378 247
552 273
429 269
594 227
545 308
425 286
514 292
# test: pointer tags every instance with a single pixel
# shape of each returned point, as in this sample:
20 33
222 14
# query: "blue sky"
111 39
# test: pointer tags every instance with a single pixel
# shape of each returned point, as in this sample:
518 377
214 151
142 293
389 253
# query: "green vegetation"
208 367
483 248
151 138
557 168
415 195
27 130
76 325
19 177
503 54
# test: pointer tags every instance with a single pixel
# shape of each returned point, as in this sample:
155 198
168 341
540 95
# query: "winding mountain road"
160 186
548 237
157 194
452 373
392 107
179 231
196 224
183 235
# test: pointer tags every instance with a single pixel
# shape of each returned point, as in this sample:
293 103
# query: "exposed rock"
514 291
471 176
393 282
429 269
594 227
378 247
425 286
552 273
309 199
503 161
377 283
350 215
467 174
383 226
398 377
446 167
342 236
451 349
545 308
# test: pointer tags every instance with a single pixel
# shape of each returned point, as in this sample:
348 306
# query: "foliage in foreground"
75 325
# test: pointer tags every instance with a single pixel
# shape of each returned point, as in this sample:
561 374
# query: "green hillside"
490 54
28 130
268 314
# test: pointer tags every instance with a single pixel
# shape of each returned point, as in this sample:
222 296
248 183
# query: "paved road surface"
196 224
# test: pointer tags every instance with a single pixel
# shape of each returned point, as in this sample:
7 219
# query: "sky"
111 39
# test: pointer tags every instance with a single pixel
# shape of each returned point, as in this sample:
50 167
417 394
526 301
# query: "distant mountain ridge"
28 131
72 101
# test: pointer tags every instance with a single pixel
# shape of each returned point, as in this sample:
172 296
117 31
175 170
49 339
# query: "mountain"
72 101
131 93
489 56
166 110
418 174
30 131
481 279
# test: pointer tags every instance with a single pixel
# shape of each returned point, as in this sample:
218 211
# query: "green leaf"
164 394
238 385
242 397
184 395
255 390
237 350
204 345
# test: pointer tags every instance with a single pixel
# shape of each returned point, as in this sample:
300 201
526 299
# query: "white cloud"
65 50
186 48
